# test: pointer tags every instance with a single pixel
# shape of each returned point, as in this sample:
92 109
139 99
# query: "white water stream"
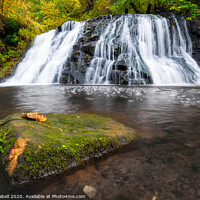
44 61
146 47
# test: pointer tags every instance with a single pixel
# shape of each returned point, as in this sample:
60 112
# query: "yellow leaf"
42 118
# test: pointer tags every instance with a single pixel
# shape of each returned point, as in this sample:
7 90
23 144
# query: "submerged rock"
90 191
32 150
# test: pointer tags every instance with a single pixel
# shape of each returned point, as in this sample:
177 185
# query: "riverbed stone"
90 191
31 150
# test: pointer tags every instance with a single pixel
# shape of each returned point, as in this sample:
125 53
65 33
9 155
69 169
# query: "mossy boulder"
31 150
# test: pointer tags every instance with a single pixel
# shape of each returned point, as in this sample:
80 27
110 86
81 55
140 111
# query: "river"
164 165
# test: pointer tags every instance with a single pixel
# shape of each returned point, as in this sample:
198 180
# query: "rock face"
83 51
194 31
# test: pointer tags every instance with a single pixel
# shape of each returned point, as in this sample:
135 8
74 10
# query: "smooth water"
139 107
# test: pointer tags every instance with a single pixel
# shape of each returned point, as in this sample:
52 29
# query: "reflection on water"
48 99
154 111
163 109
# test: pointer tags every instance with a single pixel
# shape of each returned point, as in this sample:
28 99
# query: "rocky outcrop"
83 51
194 31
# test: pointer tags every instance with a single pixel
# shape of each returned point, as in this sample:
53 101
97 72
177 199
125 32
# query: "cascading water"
131 49
144 49
43 63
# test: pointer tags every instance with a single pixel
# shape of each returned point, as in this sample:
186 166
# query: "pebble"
90 191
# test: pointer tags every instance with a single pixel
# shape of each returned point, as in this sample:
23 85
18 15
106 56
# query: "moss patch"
48 150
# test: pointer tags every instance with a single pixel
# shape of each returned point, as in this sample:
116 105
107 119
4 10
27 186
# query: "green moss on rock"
50 150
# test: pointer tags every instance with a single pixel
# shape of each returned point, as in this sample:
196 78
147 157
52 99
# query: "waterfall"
128 49
44 61
143 49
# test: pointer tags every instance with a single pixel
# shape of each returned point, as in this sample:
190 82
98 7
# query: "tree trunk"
149 8
134 8
90 4
2 4
2 17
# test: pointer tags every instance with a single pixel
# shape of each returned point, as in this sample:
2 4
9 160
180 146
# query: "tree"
1 16
134 6
184 7
87 5
56 12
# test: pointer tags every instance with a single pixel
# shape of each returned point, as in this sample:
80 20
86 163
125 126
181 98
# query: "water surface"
171 112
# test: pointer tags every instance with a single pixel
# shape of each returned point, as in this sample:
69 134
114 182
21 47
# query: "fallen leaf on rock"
36 116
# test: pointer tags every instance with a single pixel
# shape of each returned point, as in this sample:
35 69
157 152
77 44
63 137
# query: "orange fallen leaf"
36 116
42 118
39 118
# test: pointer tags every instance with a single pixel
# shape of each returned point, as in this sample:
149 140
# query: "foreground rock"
31 150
